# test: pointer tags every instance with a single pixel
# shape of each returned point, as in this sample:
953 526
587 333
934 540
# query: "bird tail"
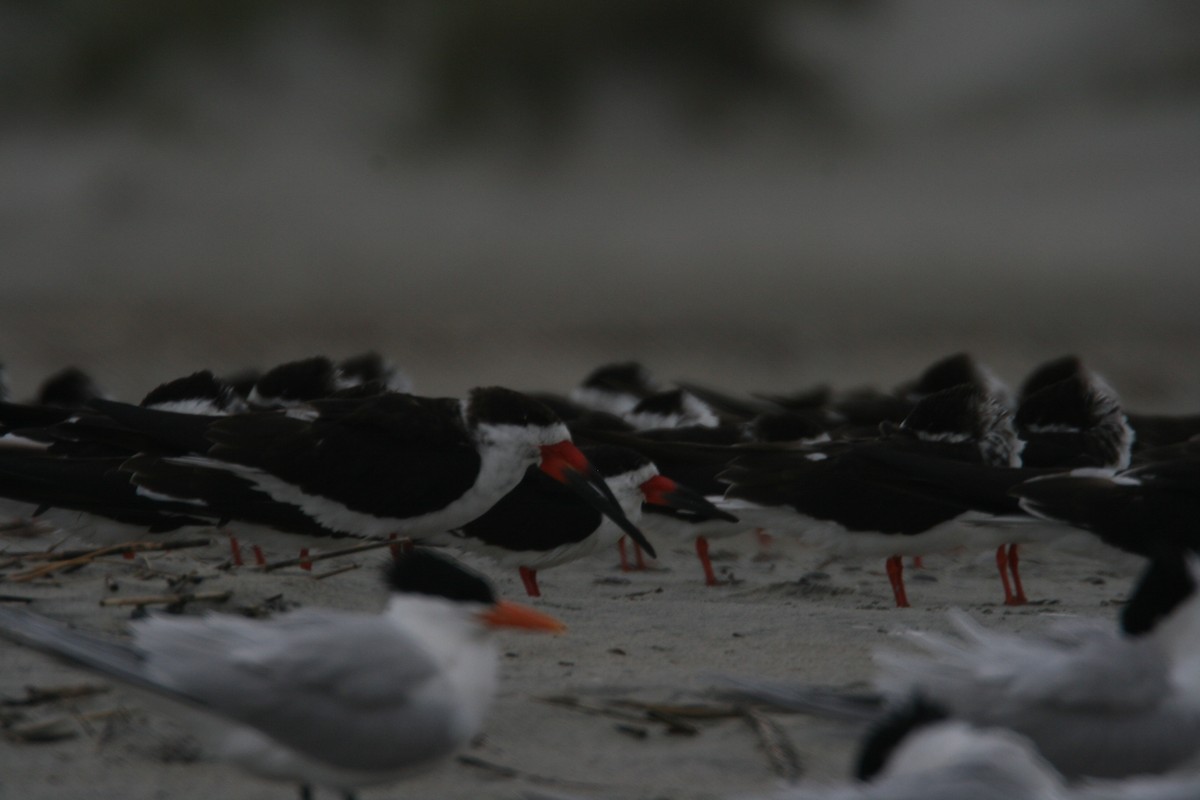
822 701
112 658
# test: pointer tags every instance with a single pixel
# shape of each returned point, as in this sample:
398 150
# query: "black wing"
846 486
539 514
394 455
93 485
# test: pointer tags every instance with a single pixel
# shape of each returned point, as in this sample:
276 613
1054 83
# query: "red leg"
529 578
260 560
305 564
895 572
710 578
1019 598
764 538
624 558
1002 565
918 563
235 551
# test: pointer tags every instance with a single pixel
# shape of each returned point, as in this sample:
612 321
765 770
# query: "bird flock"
313 454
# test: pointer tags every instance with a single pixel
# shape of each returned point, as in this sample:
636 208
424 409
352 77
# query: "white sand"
650 636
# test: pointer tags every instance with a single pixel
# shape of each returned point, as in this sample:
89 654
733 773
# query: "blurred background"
759 194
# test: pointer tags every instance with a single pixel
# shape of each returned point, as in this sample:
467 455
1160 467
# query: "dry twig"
511 772
35 696
76 559
776 744
345 551
168 599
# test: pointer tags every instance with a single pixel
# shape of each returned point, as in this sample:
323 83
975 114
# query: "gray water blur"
761 195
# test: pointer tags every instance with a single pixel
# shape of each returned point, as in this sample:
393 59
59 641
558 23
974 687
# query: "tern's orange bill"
514 615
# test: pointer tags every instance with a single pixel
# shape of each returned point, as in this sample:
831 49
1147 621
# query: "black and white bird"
860 498
615 388
540 524
320 697
374 467
858 412
1074 422
1095 701
296 383
62 467
68 388
1142 510
917 753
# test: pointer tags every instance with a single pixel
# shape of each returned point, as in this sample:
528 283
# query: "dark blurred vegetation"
480 66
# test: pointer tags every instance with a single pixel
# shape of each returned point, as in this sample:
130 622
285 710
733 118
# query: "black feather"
885 736
421 571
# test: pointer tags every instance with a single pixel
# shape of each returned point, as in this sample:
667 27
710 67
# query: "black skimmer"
541 524
372 368
675 408
860 411
321 697
68 388
295 383
198 393
66 467
1096 701
615 388
374 467
1068 417
856 497
89 496
1153 431
76 476
1074 422
693 456
1139 510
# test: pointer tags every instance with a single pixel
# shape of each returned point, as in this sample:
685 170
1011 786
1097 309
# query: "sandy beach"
566 719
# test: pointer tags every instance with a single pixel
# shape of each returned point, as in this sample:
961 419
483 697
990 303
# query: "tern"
322 697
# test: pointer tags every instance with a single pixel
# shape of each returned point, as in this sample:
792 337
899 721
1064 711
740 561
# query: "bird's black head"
886 735
495 405
953 413
197 387
786 426
307 379
662 404
68 388
967 415
1051 372
243 382
611 461
1073 403
950 371
373 369
1163 587
1084 407
368 366
421 571
627 377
